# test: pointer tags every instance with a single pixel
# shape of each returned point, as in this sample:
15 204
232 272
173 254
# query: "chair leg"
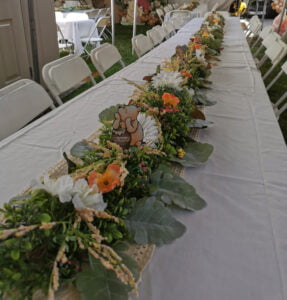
270 71
261 62
274 80
280 100
122 63
258 50
252 45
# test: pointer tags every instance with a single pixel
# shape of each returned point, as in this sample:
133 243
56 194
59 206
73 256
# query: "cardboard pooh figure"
127 130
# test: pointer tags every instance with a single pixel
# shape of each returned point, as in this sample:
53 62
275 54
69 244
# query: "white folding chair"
176 22
268 41
105 57
166 9
20 103
276 52
160 31
254 28
182 16
277 106
141 44
160 14
154 36
262 35
65 74
96 33
93 14
169 29
63 43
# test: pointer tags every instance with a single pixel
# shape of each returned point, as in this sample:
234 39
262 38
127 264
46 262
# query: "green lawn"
123 43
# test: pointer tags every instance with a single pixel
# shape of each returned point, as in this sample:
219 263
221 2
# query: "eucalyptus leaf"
198 123
172 189
201 99
108 114
80 149
99 283
151 223
195 154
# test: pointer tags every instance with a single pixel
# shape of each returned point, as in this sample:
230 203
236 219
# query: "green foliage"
174 190
196 154
151 223
96 282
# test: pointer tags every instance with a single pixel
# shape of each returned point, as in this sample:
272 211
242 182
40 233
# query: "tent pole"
113 20
135 22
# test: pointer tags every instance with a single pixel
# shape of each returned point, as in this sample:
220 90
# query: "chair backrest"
270 39
168 28
166 9
104 57
141 44
265 31
20 103
154 36
176 22
276 51
160 14
65 73
94 13
161 32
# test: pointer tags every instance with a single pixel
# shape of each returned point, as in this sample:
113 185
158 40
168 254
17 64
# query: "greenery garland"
113 195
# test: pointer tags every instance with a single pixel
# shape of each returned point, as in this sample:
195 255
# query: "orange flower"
197 46
185 74
108 180
170 100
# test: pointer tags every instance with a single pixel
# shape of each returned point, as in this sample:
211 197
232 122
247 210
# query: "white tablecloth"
236 247
74 30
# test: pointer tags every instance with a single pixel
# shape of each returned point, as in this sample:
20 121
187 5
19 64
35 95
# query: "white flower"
191 92
87 197
62 187
78 192
199 54
167 79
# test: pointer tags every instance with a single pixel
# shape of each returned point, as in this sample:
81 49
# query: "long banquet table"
236 247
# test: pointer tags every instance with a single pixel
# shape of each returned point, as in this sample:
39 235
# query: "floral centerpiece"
75 229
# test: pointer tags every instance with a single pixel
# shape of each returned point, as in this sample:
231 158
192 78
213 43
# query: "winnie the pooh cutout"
133 128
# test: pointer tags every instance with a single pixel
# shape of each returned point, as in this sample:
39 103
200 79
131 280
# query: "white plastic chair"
214 7
96 33
262 35
268 41
160 31
254 28
105 57
169 29
276 52
20 103
93 14
166 9
65 74
141 44
154 36
182 17
278 109
160 14
63 43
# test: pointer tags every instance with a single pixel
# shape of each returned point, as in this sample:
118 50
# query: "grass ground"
123 43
